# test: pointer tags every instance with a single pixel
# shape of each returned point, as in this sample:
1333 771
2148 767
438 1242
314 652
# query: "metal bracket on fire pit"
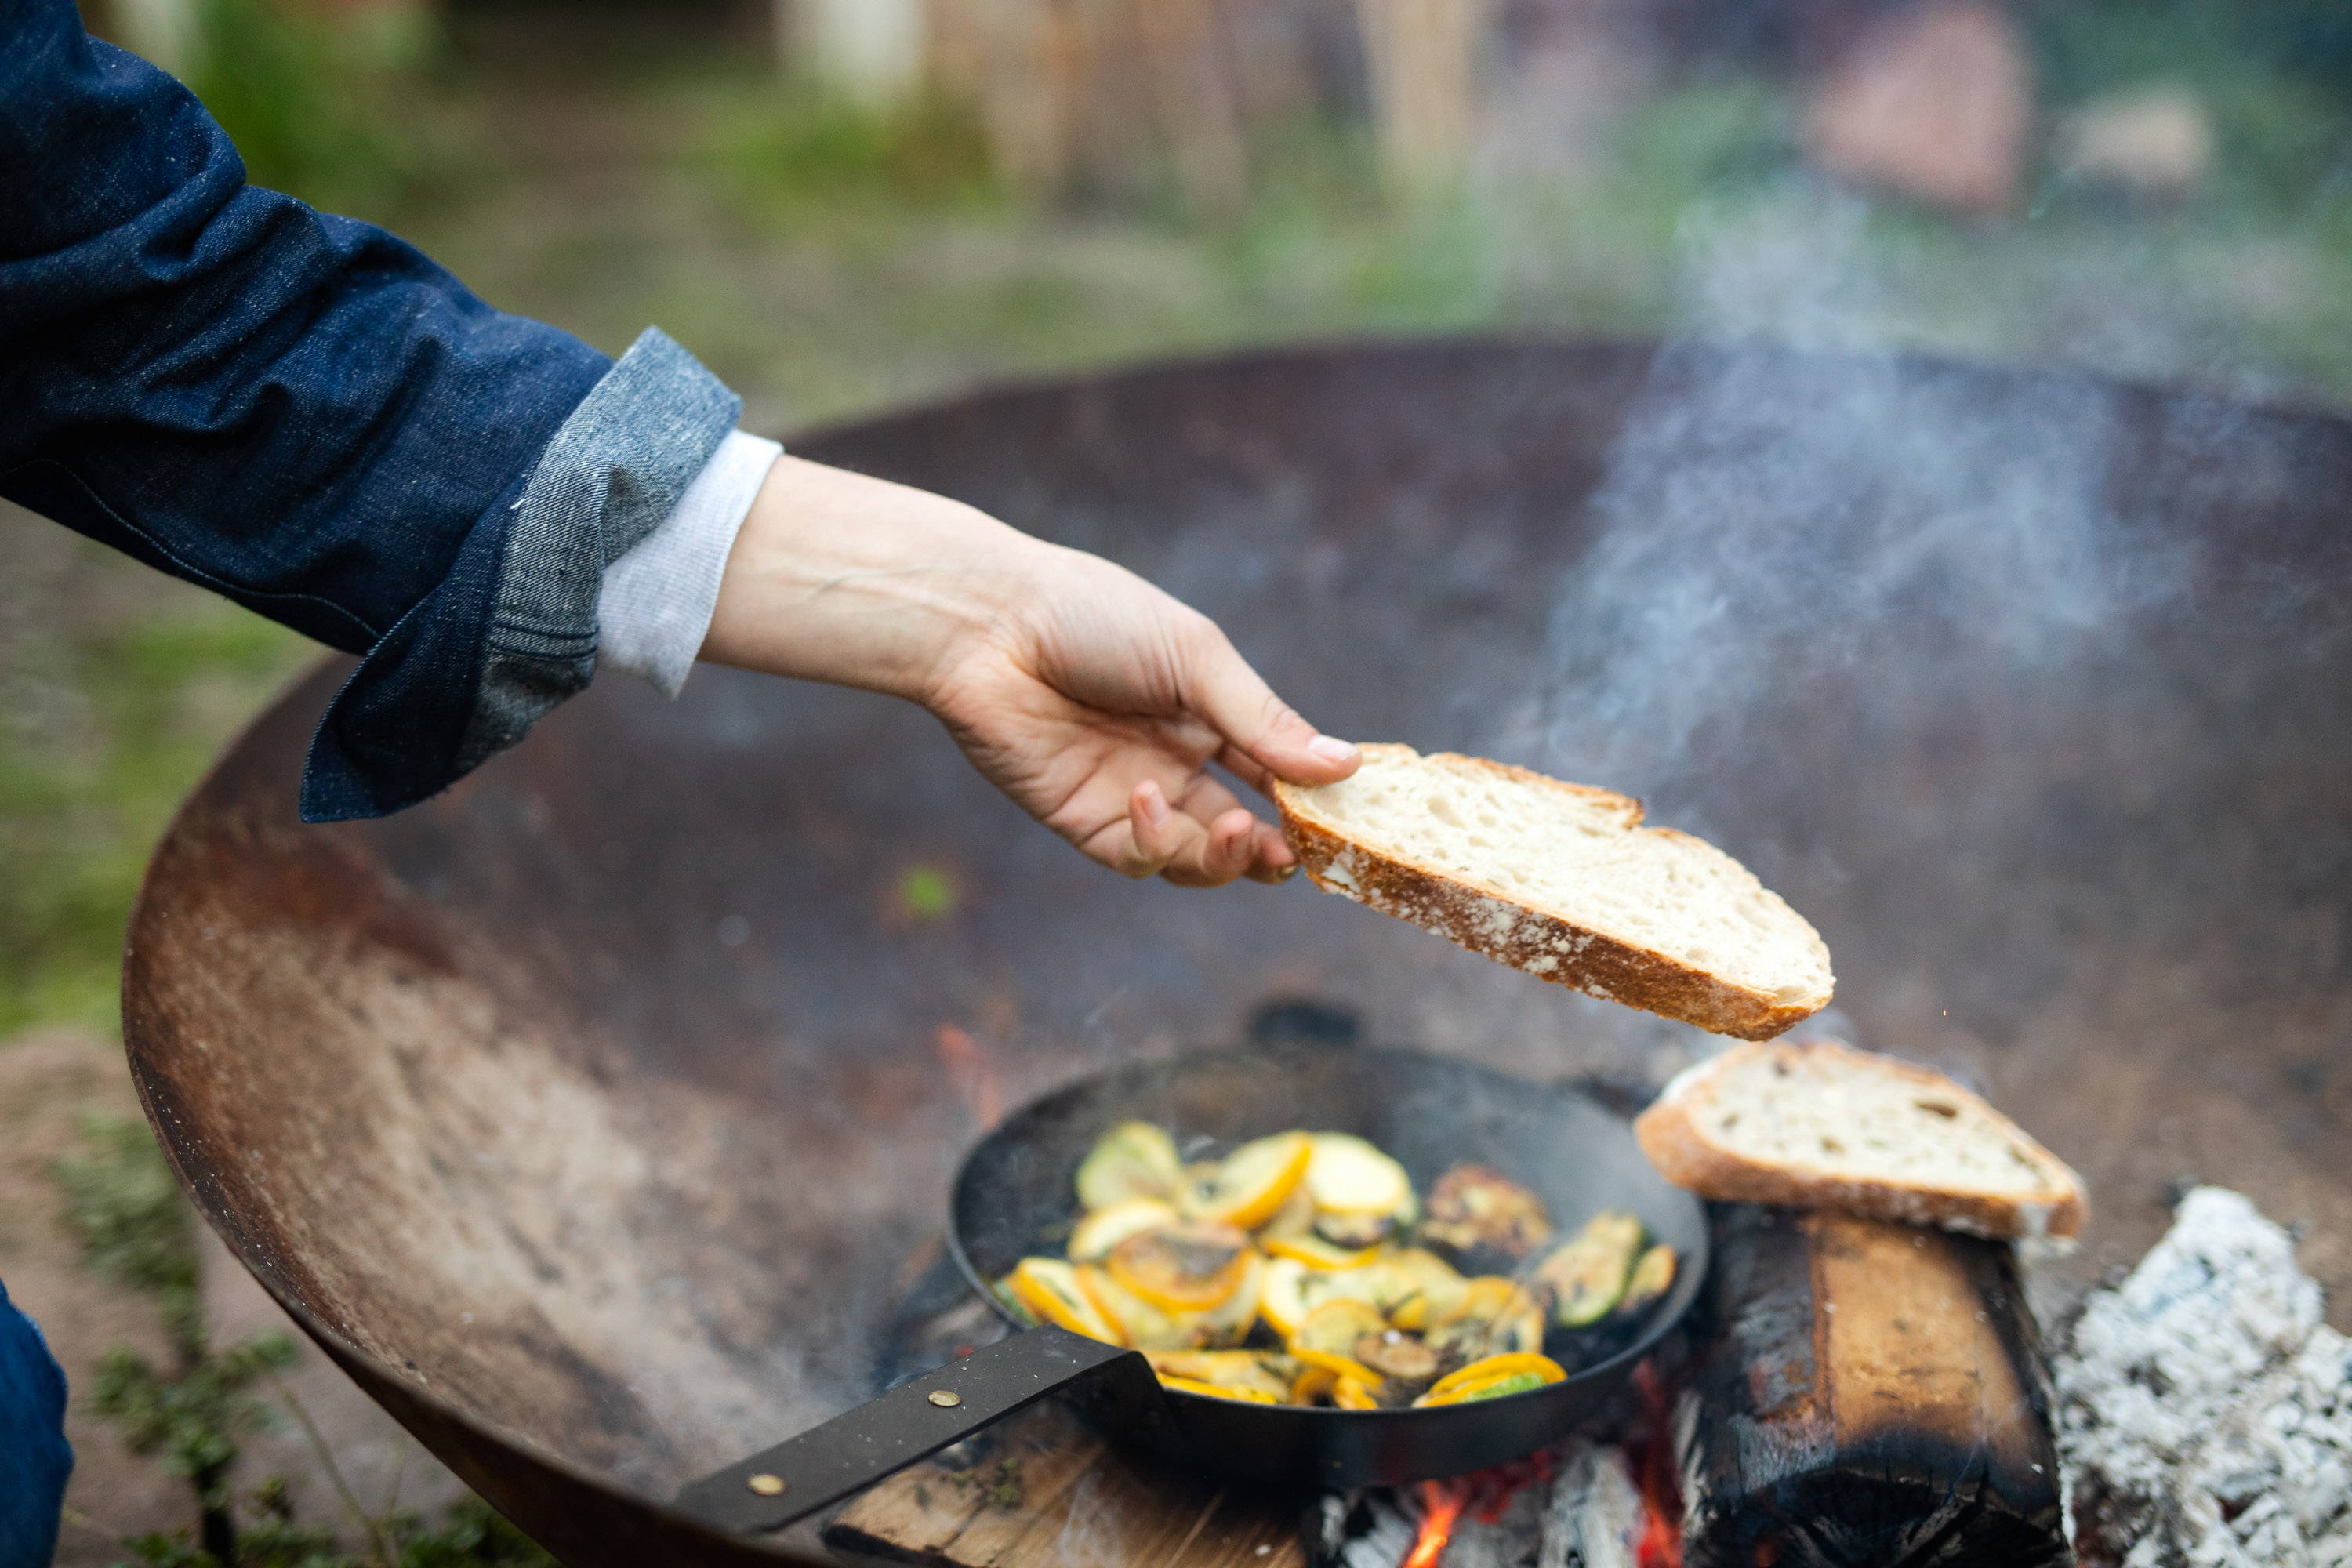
804 1475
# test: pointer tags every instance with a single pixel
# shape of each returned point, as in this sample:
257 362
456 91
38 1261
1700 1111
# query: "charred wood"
1866 1396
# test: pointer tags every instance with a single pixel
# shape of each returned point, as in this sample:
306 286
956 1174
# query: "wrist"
839 578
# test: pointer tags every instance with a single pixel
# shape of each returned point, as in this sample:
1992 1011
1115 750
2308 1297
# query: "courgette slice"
1587 1276
1652 1276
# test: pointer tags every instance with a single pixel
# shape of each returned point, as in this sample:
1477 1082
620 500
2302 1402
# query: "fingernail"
1155 804
1284 873
1332 749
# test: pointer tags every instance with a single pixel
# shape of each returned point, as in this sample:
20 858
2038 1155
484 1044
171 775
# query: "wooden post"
1423 56
1199 117
1871 1394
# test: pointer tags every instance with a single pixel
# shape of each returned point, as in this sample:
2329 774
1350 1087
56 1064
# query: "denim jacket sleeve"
307 415
35 1459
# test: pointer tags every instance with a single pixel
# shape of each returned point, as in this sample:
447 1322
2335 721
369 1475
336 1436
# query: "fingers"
1274 859
1264 736
1270 858
1156 839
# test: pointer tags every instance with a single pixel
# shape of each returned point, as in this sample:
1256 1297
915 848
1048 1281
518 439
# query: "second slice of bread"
1822 1125
1563 882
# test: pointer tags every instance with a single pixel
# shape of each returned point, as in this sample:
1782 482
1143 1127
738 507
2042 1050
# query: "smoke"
1789 499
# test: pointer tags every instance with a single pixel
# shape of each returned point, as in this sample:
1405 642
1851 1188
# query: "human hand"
1091 697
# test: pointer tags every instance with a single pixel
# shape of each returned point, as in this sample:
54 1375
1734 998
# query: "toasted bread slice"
1822 1125
1563 882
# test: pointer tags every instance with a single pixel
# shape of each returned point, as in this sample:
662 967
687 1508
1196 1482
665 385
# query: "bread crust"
1497 926
1670 1135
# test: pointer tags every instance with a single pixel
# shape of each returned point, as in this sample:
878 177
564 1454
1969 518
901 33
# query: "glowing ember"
1440 1506
973 1075
1661 1545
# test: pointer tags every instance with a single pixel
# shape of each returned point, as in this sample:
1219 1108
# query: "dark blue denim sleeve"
33 1459
309 416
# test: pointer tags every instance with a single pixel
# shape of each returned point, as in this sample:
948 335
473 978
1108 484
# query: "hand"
1091 697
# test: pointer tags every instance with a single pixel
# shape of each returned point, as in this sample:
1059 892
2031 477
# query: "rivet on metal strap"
766 1485
946 1398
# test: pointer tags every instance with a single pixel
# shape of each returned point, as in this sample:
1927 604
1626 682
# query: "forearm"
839 578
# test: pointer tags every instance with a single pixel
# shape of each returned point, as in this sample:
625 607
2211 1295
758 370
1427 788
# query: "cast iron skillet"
1013 1197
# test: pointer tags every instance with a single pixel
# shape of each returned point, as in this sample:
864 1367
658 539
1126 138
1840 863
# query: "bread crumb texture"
1544 851
1824 1125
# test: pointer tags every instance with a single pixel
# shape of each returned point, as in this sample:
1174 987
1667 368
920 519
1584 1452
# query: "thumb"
1263 738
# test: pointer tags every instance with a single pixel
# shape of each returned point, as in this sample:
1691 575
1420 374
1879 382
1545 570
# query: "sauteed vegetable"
1301 1269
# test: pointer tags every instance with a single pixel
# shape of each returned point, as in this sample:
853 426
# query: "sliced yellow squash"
1495 1367
1230 1321
1354 1394
1328 1338
1139 1322
1495 1316
1214 1391
1295 1217
1190 1266
1133 1160
1249 1186
1313 1382
1316 1253
1349 1176
1223 1369
1106 1227
1424 1289
1280 1301
1049 1288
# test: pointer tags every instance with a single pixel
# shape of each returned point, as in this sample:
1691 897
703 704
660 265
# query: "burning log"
1873 1396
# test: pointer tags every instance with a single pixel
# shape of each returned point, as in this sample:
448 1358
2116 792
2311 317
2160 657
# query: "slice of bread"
1823 1125
1563 882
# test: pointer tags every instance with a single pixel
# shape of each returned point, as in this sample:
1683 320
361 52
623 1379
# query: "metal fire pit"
591 1115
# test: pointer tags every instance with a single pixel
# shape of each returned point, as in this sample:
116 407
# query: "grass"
123 1205
88 780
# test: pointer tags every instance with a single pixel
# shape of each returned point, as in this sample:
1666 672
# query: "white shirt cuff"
654 607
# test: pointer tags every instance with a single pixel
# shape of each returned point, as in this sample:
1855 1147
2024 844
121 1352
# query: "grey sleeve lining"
614 469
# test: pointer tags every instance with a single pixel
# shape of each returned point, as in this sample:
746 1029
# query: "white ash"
2205 1410
1508 1540
1363 1530
1595 1515
1591 1515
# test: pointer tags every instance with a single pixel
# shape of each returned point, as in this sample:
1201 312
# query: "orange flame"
1441 1508
973 1075
1661 1545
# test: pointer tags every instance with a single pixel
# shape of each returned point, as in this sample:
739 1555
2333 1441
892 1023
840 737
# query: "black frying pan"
1014 1197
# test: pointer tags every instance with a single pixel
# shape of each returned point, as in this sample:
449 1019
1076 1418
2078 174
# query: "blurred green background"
879 216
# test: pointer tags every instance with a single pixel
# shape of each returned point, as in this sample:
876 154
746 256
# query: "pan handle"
802 1475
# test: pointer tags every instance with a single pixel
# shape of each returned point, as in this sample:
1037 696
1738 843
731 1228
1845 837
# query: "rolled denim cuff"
512 630
613 472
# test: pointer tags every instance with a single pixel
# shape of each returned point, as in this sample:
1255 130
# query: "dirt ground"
48 1080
